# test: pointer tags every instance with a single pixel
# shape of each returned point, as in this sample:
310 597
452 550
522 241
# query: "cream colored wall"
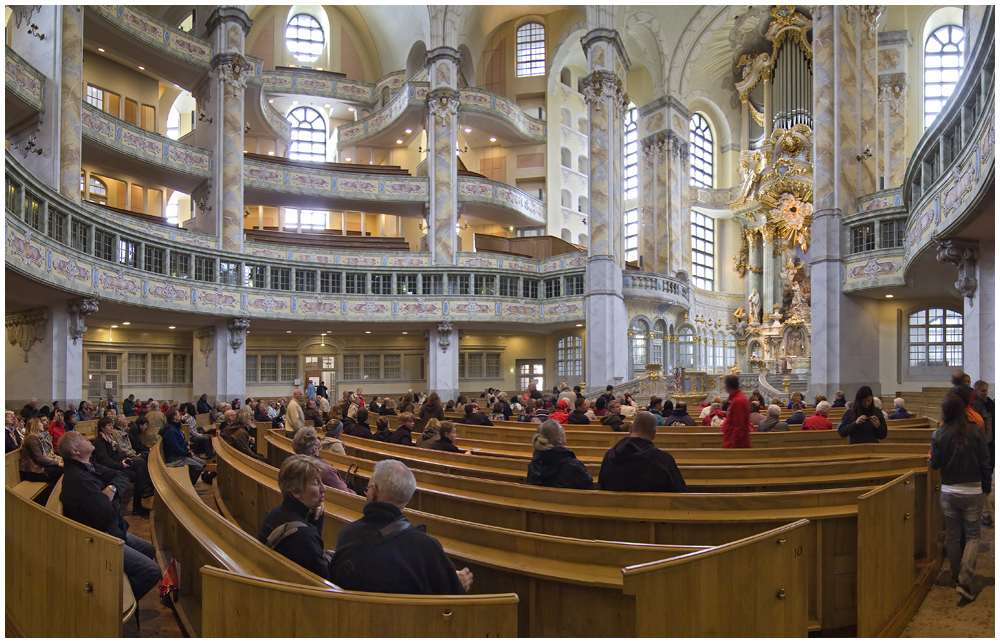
125 81
125 341
729 238
892 364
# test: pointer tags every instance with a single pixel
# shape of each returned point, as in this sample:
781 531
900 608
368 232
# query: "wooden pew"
79 568
12 478
550 569
185 528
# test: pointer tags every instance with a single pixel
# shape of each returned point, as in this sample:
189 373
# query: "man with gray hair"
295 417
773 421
383 553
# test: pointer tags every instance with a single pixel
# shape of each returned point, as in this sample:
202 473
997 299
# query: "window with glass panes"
57 224
355 283
574 285
95 96
944 60
305 280
492 365
701 152
474 365
530 50
352 367
569 356
381 284
104 245
432 284
268 368
253 276
304 37
289 367
308 135
180 265
79 236
159 365
311 219
392 367
485 285
173 208
32 211
863 237
204 269
180 369
128 253
893 233
631 221
553 288
630 180
281 278
153 259
229 273
730 352
640 343
685 348
136 368
329 282
98 191
508 287
12 188
936 336
703 250
458 285
530 289
251 368
461 366
406 284
371 367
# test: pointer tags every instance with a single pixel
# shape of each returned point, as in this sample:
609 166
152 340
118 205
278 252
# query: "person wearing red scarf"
736 426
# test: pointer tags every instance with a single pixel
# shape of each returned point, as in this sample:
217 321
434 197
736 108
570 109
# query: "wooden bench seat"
12 478
548 568
185 528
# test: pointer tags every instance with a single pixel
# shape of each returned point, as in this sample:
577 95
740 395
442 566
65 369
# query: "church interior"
240 201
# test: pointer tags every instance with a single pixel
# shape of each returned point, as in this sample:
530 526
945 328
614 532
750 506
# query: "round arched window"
304 37
308 135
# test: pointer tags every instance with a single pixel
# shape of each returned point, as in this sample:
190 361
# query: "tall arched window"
569 356
659 330
685 348
173 208
98 190
308 135
640 343
944 59
936 337
630 165
702 171
703 250
304 37
530 50
719 344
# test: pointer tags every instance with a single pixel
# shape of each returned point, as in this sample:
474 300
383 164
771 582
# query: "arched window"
719 344
566 158
631 163
173 209
583 165
308 135
685 347
98 190
304 37
565 116
566 199
631 223
640 343
530 50
703 250
730 352
173 124
701 152
566 78
659 330
583 205
569 356
936 337
944 59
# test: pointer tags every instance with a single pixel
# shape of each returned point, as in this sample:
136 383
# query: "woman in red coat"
56 429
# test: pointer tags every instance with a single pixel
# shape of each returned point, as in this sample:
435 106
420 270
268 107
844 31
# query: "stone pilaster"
977 286
223 213
893 87
71 99
219 365
604 91
442 164
442 360
678 203
42 360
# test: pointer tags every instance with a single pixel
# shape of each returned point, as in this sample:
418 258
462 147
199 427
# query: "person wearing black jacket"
135 431
294 528
12 437
472 416
615 419
359 427
203 405
864 423
91 495
984 405
552 464
30 410
679 416
959 450
383 553
403 434
579 414
382 430
634 464
449 434
107 455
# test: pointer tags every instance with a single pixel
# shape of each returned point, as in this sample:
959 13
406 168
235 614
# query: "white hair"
395 482
877 402
899 402
774 411
823 407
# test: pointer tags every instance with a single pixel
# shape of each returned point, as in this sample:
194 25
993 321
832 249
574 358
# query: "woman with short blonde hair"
307 443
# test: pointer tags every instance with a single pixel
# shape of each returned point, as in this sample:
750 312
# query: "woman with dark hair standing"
959 450
863 423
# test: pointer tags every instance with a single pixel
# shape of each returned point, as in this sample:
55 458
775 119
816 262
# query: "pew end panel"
751 587
83 573
885 553
271 608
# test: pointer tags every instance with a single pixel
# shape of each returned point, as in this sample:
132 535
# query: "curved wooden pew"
577 586
12 477
186 529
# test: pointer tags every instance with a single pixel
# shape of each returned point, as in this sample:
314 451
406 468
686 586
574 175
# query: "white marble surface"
54 370
607 324
224 375
980 320
442 365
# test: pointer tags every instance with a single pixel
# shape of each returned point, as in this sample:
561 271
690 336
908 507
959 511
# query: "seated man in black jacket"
92 495
552 464
108 455
383 553
634 464
294 528
473 416
358 426
579 414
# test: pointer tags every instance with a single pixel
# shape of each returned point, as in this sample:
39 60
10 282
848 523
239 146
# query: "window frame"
706 249
941 99
300 125
702 151
305 49
529 50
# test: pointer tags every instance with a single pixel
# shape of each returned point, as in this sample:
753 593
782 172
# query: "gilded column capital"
965 256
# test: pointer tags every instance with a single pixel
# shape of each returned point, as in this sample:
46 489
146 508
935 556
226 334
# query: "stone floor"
946 614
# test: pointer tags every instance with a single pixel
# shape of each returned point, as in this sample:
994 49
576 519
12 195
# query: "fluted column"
71 99
442 164
604 91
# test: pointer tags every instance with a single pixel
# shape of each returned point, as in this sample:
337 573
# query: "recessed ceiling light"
270 153
140 67
100 49
368 332
408 130
323 334
348 159
270 100
579 325
114 325
171 327
888 296
468 129
126 323
404 332
288 331
493 139
399 141
177 86
327 105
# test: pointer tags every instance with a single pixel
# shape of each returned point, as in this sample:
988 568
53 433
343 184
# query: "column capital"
602 84
238 328
206 342
78 310
609 37
228 15
232 69
444 330
965 255
442 67
25 329
442 103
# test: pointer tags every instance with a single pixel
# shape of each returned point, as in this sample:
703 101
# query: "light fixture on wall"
866 154
246 128
202 117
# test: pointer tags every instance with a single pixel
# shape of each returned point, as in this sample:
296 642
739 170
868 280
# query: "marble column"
442 163
223 214
71 99
44 360
442 361
893 85
655 230
845 338
604 91
219 366
976 284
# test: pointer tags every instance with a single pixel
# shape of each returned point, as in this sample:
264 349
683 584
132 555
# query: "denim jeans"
962 513
140 566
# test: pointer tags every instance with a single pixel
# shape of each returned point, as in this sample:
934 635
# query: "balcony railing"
159 34
24 80
872 241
